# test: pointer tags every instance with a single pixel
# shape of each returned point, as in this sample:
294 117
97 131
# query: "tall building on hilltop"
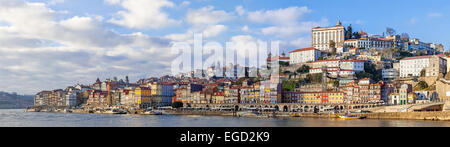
322 36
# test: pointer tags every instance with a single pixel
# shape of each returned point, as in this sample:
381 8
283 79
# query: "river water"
20 118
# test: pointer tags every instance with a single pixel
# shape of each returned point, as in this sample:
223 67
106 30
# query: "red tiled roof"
417 57
327 67
324 92
304 49
362 33
326 60
352 61
278 57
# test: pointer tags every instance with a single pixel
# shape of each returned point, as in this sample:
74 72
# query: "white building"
304 55
413 66
415 44
437 47
337 67
357 65
273 61
369 43
389 74
322 36
71 98
395 99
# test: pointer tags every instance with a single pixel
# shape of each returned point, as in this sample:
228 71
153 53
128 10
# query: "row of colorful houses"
109 93
227 93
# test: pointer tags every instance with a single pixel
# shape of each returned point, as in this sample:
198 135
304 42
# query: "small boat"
151 113
114 111
295 115
67 111
350 117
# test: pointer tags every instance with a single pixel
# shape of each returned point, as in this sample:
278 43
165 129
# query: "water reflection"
19 118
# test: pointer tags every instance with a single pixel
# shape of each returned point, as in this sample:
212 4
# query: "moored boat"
295 114
350 117
115 111
151 113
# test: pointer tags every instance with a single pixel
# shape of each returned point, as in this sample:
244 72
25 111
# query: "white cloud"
185 3
300 42
143 14
208 32
112 2
207 16
181 37
204 21
240 10
214 30
246 45
43 49
287 16
78 23
245 28
293 29
54 2
434 15
285 22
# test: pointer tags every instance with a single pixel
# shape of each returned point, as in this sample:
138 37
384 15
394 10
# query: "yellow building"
311 98
327 97
336 98
412 97
218 97
143 96
254 94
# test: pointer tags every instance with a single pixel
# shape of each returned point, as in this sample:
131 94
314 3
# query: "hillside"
14 101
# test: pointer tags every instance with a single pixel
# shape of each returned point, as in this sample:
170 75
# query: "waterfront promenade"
270 113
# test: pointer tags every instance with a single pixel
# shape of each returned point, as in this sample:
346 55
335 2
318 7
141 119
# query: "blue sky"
425 20
422 19
50 44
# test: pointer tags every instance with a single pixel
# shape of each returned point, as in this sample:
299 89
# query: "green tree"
314 78
423 73
349 32
289 85
369 72
356 35
287 72
285 64
336 83
447 53
333 48
303 69
177 105
422 85
403 54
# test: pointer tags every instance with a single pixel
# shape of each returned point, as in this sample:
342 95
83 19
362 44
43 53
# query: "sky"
52 44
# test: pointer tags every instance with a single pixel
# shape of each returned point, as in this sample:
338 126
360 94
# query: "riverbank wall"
438 115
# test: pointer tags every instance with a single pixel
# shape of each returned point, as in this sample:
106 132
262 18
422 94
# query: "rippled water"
20 118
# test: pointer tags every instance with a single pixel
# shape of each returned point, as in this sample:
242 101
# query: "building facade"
323 36
413 66
365 91
304 55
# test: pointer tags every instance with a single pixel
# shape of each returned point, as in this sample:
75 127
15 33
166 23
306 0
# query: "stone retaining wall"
409 115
